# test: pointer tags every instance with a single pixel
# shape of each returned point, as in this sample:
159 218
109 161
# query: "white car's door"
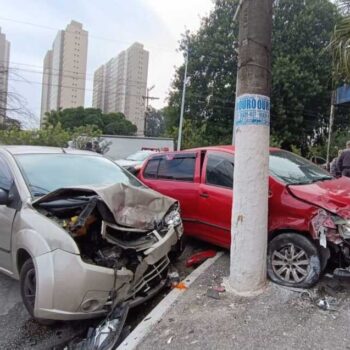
7 215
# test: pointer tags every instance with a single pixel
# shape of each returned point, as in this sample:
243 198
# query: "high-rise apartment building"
120 85
64 72
4 73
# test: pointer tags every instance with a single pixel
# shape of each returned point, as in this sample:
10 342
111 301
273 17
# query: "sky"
113 25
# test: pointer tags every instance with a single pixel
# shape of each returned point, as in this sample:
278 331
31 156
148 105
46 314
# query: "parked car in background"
309 211
80 233
133 163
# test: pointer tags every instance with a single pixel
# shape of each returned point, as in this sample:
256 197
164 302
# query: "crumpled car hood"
131 207
332 195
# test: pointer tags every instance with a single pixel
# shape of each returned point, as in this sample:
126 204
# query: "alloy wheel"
291 263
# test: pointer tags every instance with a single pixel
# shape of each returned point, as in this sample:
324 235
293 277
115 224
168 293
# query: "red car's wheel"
293 260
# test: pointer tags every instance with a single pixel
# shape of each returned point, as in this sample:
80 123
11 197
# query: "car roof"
223 148
230 148
16 150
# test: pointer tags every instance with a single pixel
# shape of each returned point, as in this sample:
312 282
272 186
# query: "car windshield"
295 170
45 173
139 156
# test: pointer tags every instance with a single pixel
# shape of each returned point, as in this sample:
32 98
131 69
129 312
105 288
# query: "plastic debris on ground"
327 304
106 335
181 285
220 289
200 257
212 293
173 279
342 273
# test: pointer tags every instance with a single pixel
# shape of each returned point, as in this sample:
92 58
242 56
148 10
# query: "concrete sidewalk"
278 319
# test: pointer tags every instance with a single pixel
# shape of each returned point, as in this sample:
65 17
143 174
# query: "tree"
211 77
154 121
13 107
340 44
53 135
301 74
119 125
111 123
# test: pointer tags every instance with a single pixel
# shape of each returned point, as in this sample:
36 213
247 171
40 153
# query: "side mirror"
4 197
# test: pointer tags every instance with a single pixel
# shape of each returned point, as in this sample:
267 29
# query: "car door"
7 215
215 197
176 175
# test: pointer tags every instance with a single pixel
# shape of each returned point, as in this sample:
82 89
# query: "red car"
309 211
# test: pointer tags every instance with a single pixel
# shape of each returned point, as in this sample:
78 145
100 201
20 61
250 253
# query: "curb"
146 325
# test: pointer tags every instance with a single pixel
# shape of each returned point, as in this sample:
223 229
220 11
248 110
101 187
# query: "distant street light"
179 139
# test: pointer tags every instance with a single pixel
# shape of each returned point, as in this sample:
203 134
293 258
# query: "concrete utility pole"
252 131
179 139
147 98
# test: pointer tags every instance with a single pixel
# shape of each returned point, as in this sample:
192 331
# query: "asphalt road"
19 331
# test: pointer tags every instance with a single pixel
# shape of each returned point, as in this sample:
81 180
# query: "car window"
44 173
5 175
177 168
151 169
295 170
219 171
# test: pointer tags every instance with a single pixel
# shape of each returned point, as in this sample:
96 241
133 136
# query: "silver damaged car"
80 233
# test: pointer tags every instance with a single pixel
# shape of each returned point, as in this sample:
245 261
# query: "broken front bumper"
68 288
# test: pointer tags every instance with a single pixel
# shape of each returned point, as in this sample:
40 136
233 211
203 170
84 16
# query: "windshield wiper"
323 178
38 191
301 183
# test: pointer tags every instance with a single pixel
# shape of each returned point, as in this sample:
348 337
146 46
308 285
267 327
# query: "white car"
80 233
134 162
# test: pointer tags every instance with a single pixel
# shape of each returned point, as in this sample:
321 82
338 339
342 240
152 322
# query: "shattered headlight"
173 218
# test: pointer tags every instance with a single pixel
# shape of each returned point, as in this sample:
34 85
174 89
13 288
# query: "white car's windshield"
139 156
45 173
294 170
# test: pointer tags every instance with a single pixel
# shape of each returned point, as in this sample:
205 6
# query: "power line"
82 33
79 77
59 74
67 87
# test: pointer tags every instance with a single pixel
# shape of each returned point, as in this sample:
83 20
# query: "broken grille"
153 272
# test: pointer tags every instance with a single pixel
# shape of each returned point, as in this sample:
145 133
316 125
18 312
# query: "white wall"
123 146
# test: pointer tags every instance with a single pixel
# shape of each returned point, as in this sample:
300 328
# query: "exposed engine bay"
122 228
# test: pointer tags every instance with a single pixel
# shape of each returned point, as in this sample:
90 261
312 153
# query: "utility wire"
82 33
67 87
79 77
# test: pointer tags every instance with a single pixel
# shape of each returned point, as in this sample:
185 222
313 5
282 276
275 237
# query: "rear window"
151 169
180 167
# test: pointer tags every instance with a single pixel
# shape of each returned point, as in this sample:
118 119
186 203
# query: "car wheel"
293 261
28 290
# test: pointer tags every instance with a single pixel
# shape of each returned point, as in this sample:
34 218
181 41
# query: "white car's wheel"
28 290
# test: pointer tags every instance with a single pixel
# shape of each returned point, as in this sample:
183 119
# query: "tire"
28 290
293 261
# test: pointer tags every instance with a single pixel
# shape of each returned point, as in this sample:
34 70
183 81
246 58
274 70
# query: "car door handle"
204 195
